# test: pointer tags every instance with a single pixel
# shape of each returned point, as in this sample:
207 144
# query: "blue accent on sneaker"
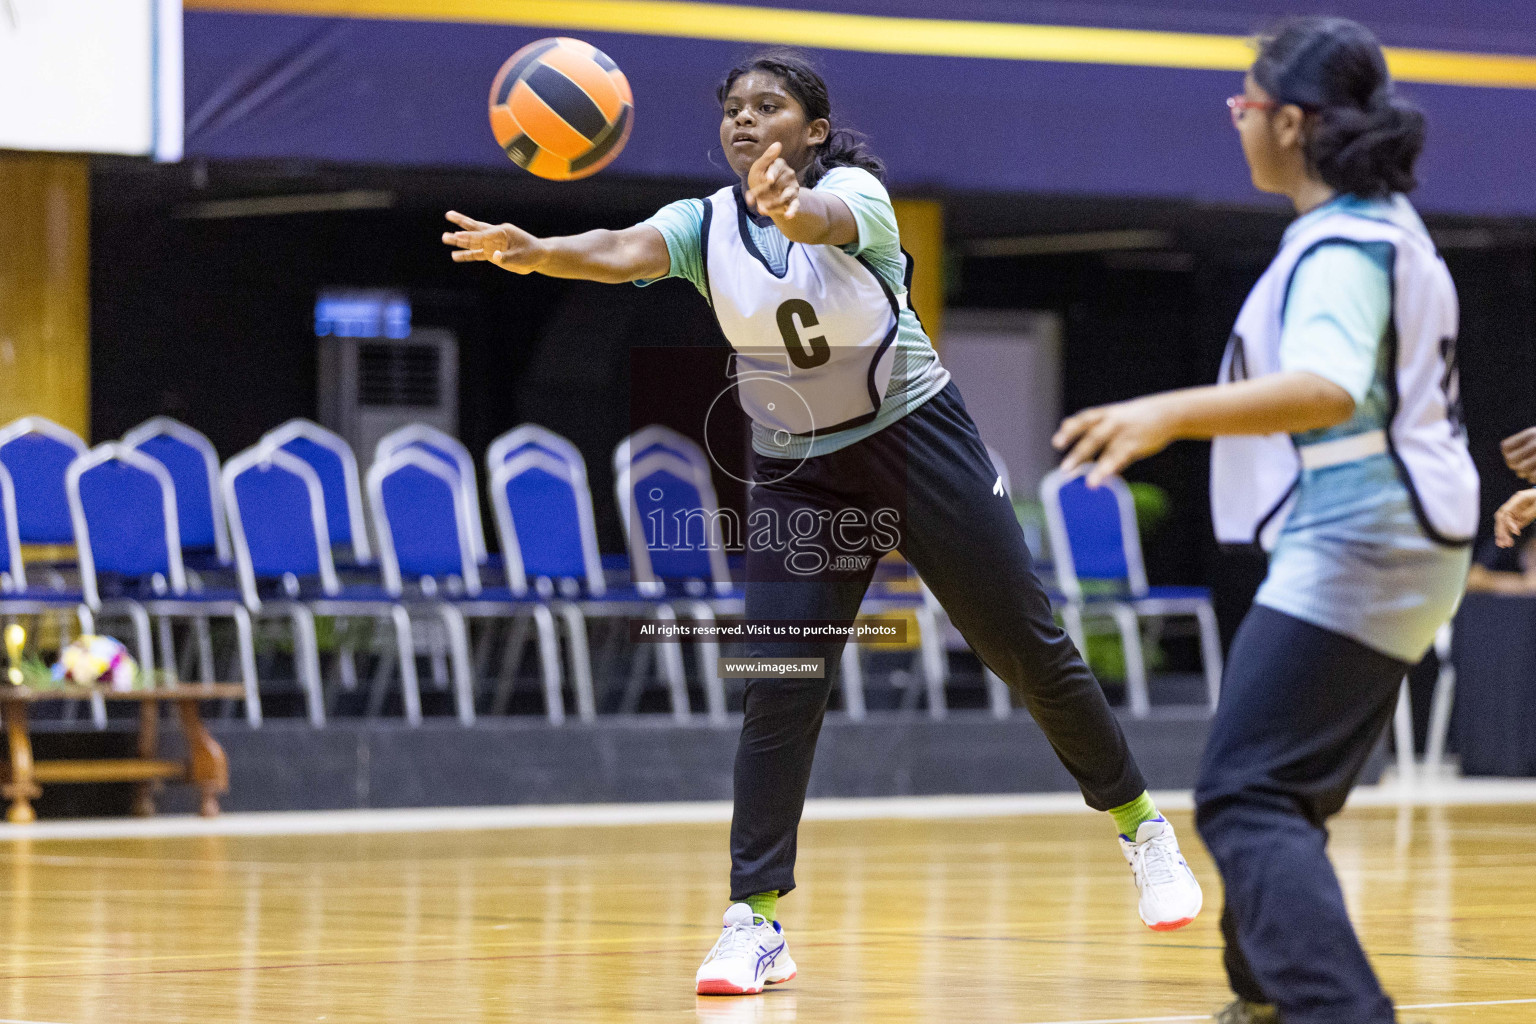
768 956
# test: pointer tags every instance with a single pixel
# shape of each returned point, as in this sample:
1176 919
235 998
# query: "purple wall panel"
1490 26
413 93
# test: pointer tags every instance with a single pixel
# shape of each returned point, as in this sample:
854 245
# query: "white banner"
91 76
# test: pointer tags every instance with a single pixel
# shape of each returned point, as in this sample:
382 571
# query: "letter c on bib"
820 352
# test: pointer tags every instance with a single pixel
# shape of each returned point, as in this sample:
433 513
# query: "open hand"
506 245
1514 516
1113 436
773 188
1520 453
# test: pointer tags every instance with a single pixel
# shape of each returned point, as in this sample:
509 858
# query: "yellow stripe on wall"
879 34
920 223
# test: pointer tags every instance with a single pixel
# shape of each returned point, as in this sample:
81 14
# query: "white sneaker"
1170 896
750 953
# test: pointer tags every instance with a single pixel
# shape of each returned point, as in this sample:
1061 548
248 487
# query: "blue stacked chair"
452 453
193 463
282 545
334 463
38 452
665 492
190 458
1095 536
13 575
425 540
123 507
531 437
538 478
544 521
17 597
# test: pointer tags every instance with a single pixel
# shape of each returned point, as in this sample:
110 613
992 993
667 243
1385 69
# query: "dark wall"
1497 349
1139 323
211 321
1134 324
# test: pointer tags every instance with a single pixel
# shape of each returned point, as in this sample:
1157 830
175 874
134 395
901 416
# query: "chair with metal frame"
333 461
424 537
38 451
544 519
530 435
452 452
282 546
1443 700
1094 536
17 598
190 458
660 475
127 534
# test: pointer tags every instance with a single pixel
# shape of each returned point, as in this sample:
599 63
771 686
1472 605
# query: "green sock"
765 903
1128 817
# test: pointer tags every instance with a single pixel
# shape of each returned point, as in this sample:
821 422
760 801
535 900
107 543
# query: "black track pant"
926 484
1301 709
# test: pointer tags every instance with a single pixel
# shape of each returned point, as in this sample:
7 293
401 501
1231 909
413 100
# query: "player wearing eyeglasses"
1338 444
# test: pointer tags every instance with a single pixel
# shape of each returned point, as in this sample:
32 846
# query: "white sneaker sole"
724 987
1167 926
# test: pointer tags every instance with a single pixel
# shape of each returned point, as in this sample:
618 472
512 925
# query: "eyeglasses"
1240 104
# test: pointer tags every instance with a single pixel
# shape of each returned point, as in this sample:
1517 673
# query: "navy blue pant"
926 485
1301 710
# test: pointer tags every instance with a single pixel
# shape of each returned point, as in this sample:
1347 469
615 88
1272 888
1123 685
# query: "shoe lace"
1158 862
735 940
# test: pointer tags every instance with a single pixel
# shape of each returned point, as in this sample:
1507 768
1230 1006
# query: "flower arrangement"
85 661
89 660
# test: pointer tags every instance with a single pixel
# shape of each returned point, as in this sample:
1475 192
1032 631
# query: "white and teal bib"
1253 479
812 344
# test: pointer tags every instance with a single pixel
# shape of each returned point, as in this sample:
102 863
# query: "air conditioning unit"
378 373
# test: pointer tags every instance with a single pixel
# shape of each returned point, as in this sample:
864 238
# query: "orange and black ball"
561 109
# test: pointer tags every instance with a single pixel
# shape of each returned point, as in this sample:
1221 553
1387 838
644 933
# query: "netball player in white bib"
1339 445
853 418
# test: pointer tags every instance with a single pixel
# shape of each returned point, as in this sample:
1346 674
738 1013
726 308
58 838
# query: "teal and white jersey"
1354 554
914 372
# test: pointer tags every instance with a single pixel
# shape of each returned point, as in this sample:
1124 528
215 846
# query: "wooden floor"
1016 920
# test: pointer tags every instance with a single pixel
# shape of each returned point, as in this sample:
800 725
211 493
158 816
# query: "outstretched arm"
1114 436
611 257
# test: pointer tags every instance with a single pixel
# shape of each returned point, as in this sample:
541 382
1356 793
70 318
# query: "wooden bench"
205 765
